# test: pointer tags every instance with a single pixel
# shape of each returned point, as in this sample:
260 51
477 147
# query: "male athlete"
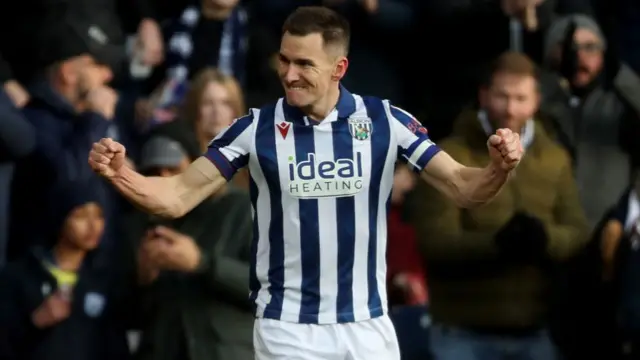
321 162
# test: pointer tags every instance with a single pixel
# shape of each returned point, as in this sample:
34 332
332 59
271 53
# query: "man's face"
590 57
510 100
84 226
307 68
83 74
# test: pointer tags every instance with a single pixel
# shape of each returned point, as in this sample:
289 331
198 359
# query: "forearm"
174 196
479 185
153 195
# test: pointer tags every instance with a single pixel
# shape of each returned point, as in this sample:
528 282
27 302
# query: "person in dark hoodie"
17 140
70 108
63 300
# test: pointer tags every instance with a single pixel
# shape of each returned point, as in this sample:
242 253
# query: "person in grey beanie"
589 111
591 103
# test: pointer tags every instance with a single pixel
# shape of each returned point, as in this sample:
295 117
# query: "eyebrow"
301 61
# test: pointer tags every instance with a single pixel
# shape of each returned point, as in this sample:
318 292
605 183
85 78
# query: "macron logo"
283 127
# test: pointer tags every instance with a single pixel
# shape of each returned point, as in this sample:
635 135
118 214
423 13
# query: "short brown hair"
514 63
307 20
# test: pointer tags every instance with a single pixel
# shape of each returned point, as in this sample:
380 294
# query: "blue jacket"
63 142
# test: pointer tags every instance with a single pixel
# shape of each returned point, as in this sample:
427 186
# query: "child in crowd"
63 301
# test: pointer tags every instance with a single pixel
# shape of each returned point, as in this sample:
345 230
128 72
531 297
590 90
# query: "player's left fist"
505 149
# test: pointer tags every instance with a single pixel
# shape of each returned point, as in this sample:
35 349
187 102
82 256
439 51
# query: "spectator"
477 31
106 20
619 244
215 34
62 300
70 109
214 100
593 114
17 140
488 267
194 271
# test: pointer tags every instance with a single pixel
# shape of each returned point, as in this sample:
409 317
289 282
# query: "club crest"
360 128
94 304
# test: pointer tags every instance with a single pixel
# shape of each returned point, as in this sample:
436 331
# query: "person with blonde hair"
212 102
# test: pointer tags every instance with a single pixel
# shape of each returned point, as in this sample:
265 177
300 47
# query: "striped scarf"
231 56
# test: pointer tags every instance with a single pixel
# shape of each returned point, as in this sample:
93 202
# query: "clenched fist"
53 310
107 157
505 149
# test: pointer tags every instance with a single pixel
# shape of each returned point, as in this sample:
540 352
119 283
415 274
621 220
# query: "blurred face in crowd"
510 100
216 110
84 226
308 69
403 182
82 74
590 57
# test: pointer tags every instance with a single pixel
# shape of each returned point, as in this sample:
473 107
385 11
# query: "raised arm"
466 186
164 196
170 196
175 196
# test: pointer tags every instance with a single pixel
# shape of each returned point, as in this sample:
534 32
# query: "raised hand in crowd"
54 309
523 10
151 42
16 93
171 250
103 100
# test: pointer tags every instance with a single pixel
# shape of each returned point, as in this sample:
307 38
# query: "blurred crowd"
549 269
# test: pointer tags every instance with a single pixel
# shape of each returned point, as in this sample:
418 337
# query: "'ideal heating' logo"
310 178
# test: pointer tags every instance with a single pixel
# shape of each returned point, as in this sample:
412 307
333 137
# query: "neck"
68 257
320 110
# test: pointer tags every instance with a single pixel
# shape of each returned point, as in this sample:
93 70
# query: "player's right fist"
107 157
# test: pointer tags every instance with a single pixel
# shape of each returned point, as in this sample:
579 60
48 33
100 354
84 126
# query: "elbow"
170 211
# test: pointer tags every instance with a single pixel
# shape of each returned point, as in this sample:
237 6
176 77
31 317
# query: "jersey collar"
346 106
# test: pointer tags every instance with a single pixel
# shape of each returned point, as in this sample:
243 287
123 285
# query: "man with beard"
70 108
591 105
487 267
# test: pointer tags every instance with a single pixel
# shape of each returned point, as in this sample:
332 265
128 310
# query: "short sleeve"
414 145
229 151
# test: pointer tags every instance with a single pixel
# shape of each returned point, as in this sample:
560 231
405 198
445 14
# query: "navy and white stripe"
320 194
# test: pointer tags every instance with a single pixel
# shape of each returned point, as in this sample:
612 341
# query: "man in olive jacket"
488 266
